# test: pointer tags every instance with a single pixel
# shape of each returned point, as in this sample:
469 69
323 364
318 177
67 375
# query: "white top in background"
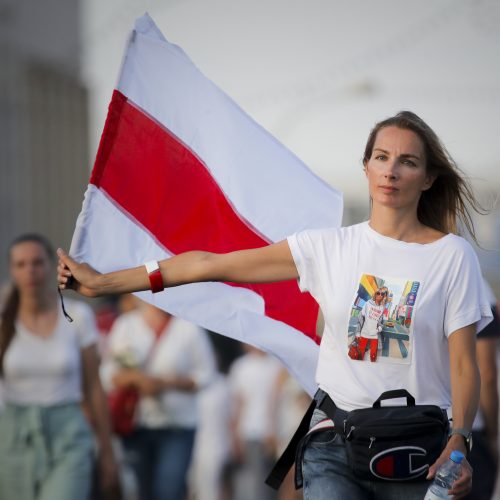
252 379
182 350
47 370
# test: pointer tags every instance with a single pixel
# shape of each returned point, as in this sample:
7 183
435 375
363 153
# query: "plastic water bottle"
446 475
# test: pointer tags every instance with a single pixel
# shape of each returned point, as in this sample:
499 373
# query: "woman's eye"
381 157
410 163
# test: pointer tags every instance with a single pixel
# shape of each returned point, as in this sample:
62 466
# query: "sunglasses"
381 293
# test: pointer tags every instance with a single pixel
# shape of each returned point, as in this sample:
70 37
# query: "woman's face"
380 296
30 266
396 170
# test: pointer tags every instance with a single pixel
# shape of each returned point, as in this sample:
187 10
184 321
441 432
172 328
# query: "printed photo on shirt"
380 325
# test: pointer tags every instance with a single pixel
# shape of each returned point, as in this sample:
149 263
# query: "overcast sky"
319 73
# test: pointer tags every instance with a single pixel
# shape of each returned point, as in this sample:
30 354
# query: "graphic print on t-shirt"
380 324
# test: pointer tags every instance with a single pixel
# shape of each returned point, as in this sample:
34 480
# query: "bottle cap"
457 456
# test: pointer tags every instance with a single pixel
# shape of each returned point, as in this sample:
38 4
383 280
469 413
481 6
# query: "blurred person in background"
252 379
106 312
212 447
48 365
484 454
167 360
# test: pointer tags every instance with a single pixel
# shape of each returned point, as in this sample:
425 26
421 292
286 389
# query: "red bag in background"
122 408
123 403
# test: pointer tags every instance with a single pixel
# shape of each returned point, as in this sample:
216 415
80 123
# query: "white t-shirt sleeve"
86 326
304 247
467 299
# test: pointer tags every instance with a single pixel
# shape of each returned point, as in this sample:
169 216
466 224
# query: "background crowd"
238 403
129 402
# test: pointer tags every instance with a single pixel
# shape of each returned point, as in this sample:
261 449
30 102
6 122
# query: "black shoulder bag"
395 443
383 443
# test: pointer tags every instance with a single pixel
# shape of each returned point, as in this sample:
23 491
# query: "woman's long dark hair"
450 198
11 305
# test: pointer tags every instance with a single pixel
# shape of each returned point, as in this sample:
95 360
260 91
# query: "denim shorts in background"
46 453
327 475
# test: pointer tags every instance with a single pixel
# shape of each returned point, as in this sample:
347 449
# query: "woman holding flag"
417 198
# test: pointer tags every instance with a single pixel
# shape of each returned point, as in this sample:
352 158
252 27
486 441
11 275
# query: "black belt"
321 401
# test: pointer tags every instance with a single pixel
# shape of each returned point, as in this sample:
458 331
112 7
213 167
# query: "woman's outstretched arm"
260 265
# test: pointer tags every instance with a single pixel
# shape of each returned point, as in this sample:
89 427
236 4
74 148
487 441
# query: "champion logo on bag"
396 464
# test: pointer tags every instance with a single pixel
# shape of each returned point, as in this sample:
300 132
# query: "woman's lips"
388 189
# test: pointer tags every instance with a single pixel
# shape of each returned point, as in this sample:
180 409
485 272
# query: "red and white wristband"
155 277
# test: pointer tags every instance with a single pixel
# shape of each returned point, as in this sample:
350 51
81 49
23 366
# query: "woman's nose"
390 171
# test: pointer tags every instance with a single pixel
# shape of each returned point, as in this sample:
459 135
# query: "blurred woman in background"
48 366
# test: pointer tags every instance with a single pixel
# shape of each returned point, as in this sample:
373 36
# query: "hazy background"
316 74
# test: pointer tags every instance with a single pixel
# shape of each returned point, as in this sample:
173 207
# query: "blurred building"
43 121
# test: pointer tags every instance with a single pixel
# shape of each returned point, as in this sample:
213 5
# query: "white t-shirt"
47 370
433 290
252 379
182 350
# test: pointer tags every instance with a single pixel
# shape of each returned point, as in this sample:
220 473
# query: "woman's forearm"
488 402
464 377
99 408
465 386
259 265
95 399
180 269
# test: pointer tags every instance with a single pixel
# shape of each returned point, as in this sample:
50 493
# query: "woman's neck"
401 225
37 303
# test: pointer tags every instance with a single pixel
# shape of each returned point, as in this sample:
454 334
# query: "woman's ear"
429 181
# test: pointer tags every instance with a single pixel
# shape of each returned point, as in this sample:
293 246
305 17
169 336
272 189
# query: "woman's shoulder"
130 319
83 326
457 243
335 232
74 305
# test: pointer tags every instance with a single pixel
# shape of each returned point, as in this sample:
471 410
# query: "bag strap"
397 393
285 462
321 401
158 336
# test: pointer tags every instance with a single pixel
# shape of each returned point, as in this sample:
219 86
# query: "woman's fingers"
463 485
76 276
64 273
65 259
435 466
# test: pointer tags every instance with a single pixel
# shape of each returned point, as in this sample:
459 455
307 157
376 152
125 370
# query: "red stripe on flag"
147 171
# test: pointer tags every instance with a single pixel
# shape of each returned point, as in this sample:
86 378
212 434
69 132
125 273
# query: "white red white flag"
181 167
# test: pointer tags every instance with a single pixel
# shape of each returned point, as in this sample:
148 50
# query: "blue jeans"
160 459
328 476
